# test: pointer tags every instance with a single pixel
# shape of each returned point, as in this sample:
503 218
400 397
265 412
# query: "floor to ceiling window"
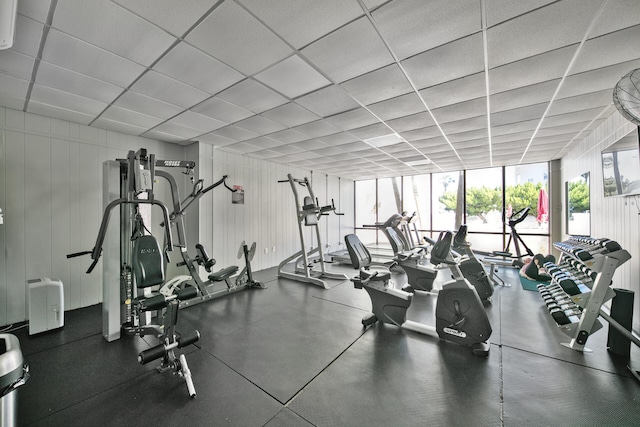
484 199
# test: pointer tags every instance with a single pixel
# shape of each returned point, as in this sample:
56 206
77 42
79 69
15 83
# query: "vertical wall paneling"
51 196
3 238
614 217
14 224
60 202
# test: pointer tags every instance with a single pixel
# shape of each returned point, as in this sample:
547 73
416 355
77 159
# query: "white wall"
614 217
51 197
268 215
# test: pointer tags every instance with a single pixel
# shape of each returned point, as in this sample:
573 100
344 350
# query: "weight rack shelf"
580 285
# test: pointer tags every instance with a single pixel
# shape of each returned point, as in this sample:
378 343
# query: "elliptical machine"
460 316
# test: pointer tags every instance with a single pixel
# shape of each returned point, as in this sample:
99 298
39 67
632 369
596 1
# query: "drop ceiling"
353 88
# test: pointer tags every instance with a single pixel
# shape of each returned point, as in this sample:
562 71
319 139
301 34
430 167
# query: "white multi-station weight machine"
308 213
137 298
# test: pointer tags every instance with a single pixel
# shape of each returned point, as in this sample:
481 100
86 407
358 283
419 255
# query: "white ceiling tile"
159 86
571 118
612 48
216 140
69 81
353 119
311 144
220 109
76 55
249 50
174 17
174 129
317 129
400 106
521 97
260 125
16 64
327 151
11 86
287 149
421 133
265 154
288 136
403 23
617 14
28 35
548 66
328 101
521 37
163 136
338 139
59 113
411 122
11 101
455 91
448 62
253 96
292 77
68 101
523 114
290 115
127 128
600 79
134 101
384 83
195 68
371 131
34 9
463 110
300 22
513 128
264 142
601 98
502 10
350 51
235 133
93 21
202 123
128 117
351 147
465 125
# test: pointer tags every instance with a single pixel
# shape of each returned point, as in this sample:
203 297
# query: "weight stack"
621 312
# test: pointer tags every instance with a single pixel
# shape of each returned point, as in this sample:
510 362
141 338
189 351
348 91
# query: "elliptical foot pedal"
481 349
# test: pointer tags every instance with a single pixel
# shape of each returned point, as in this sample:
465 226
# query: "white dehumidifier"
46 305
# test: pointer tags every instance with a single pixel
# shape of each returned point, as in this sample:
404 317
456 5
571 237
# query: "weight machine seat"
361 259
223 274
442 249
148 265
460 239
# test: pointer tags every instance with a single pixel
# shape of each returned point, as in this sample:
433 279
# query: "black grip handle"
73 255
93 265
151 354
189 339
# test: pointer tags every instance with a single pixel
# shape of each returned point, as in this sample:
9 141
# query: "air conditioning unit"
46 305
8 14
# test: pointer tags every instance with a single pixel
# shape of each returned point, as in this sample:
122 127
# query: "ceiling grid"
353 88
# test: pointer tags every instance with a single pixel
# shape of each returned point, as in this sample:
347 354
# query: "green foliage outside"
482 200
579 197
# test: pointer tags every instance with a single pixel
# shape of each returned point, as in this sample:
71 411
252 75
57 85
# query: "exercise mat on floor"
531 285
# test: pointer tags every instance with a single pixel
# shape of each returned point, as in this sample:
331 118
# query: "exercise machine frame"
308 212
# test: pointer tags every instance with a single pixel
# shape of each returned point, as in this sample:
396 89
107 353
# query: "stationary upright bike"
460 315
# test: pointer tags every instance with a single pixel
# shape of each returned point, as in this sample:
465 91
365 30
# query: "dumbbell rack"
580 285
